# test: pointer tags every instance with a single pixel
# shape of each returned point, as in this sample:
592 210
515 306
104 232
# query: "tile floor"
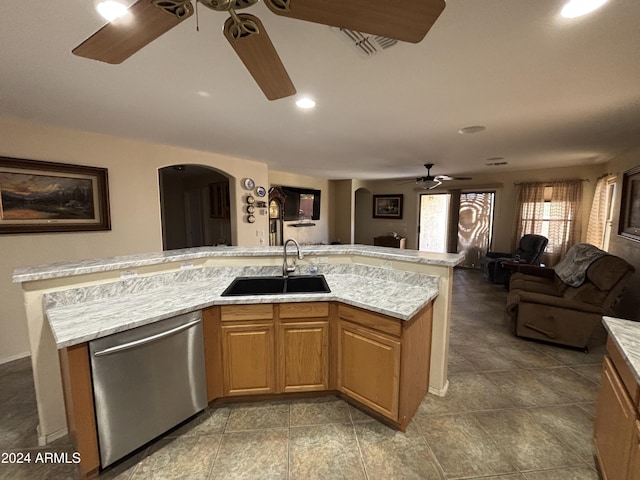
515 410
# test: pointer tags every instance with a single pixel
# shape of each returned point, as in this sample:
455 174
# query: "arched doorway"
362 230
194 206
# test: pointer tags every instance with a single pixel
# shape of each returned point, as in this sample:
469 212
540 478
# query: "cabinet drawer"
304 310
378 322
232 313
624 372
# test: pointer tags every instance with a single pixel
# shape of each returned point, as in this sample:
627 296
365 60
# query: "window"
551 210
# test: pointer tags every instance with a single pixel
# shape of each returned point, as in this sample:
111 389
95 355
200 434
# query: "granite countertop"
626 336
57 270
89 316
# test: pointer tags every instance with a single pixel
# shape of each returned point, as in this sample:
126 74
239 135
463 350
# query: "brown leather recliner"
544 307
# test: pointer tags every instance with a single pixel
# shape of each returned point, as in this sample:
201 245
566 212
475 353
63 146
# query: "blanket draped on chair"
573 267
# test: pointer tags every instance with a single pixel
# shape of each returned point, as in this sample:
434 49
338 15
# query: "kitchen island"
72 303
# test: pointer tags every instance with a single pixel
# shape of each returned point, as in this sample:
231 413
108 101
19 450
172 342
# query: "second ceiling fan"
149 19
429 182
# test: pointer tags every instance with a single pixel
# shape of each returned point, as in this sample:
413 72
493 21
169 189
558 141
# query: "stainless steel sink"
277 285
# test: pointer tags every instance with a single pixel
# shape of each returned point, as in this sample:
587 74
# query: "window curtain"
562 221
530 210
598 214
565 222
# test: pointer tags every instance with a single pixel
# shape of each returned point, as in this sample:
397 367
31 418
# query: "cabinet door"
614 424
304 356
634 464
369 368
248 359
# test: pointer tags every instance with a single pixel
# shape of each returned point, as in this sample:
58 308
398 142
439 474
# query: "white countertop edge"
64 269
619 330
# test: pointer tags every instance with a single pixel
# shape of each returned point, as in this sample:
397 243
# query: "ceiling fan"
147 20
429 181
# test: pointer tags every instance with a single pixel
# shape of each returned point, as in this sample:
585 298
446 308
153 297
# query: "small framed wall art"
387 206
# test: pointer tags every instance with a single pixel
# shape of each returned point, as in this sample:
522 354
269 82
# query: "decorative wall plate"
251 219
251 209
250 200
248 183
261 191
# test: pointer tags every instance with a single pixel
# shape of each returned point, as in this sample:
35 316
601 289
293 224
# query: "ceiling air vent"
495 163
364 43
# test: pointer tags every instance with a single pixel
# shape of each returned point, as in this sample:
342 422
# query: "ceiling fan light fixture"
429 184
578 8
110 10
305 103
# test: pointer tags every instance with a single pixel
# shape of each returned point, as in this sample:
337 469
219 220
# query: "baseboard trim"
43 440
440 392
14 357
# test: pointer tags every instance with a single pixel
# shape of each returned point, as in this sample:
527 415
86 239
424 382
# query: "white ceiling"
552 92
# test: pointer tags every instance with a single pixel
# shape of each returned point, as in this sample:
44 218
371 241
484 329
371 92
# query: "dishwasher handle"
144 341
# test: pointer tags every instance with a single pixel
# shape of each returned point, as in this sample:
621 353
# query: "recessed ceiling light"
110 10
305 103
471 129
577 8
202 93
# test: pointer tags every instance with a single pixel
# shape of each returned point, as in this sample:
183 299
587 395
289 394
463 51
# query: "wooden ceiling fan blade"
143 23
258 54
407 21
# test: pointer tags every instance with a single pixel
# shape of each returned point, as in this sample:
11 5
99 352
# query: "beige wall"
319 233
501 182
135 207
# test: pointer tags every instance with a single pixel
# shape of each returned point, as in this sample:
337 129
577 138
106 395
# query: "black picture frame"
388 206
40 197
629 224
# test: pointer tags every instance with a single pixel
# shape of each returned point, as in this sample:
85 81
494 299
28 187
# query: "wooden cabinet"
369 368
383 363
78 399
390 241
616 432
303 347
634 462
615 420
269 349
248 359
379 362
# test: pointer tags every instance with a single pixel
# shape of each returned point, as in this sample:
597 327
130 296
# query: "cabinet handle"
144 341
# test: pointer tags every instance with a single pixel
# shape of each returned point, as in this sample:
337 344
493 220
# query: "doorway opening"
195 207
457 222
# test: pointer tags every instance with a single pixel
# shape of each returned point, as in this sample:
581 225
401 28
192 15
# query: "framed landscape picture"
40 197
387 206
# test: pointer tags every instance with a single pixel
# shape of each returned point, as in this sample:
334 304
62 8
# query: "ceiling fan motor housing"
226 5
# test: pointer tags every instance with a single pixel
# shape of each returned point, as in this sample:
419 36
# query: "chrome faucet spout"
286 268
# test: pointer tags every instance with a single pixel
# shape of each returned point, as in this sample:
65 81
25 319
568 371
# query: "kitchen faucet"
286 268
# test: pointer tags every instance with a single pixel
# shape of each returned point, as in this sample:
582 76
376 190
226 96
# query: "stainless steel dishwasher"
146 381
